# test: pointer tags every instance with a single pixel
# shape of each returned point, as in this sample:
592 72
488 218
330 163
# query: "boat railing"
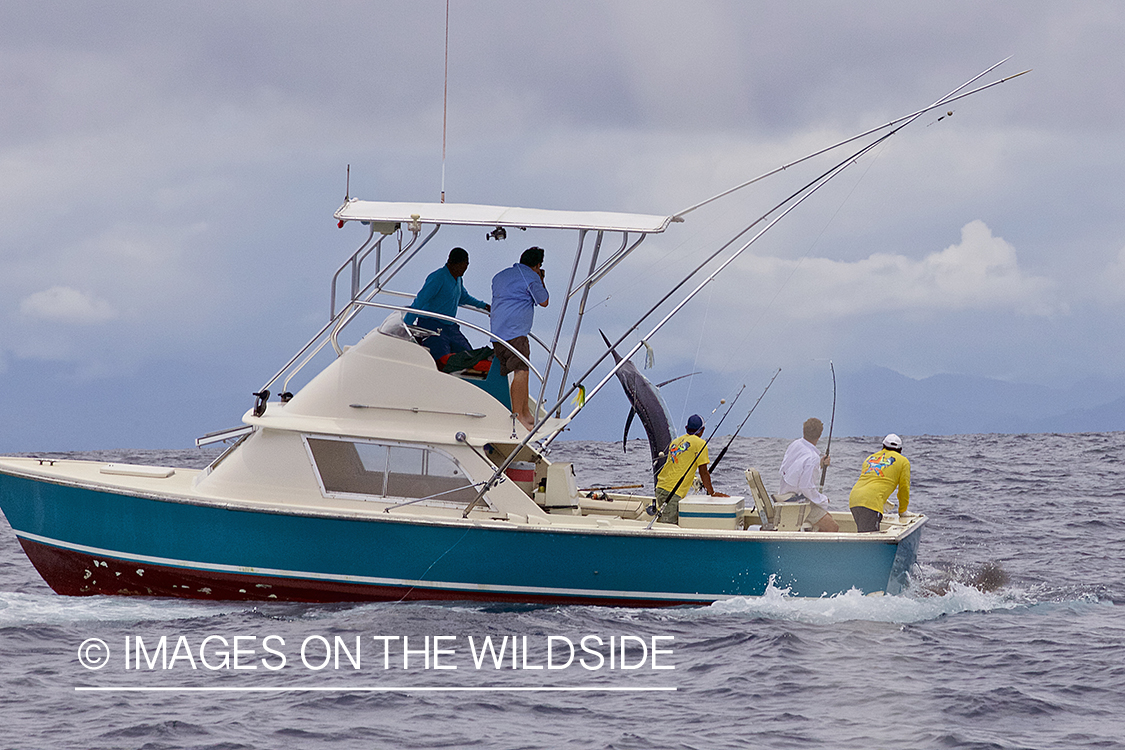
355 262
362 294
378 282
425 314
346 314
294 370
449 318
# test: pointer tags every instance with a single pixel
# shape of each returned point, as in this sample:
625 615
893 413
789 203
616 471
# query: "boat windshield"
394 325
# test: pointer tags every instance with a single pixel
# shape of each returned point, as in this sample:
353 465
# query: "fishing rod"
831 423
732 403
723 452
715 431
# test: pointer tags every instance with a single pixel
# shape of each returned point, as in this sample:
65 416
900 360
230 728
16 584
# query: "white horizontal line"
299 689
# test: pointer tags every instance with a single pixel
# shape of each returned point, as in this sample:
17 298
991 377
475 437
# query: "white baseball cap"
892 441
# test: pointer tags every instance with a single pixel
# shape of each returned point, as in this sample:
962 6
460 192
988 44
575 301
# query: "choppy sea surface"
1012 635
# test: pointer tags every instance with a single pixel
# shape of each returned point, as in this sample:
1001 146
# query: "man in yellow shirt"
882 472
674 480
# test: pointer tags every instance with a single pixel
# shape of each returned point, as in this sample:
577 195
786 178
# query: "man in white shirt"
799 471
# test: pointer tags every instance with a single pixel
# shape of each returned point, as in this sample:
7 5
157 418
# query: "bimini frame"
385 219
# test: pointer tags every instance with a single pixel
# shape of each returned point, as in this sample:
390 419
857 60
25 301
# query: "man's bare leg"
828 523
519 398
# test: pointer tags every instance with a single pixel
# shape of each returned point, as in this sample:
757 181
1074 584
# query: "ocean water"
1012 635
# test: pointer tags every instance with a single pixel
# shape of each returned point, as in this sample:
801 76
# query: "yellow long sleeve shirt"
882 472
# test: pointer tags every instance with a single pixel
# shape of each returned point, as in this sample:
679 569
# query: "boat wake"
938 578
18 609
932 595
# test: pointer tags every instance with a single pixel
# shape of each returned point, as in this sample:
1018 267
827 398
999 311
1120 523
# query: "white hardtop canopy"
468 214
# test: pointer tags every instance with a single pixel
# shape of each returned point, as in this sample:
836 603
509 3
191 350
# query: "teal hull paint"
386 558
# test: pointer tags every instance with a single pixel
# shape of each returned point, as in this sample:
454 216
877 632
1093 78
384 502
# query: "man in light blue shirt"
515 293
443 293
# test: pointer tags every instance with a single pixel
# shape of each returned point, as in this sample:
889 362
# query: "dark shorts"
449 340
508 361
866 520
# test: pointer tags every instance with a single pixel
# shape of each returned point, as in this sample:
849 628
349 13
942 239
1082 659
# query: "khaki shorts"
813 513
510 362
669 506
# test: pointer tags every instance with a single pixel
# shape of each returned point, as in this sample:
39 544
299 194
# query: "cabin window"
359 467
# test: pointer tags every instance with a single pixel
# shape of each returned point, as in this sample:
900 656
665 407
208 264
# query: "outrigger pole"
810 188
947 99
807 190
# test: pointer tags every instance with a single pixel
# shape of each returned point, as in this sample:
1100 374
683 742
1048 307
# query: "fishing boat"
383 478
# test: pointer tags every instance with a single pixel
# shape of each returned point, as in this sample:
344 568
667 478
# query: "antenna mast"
445 101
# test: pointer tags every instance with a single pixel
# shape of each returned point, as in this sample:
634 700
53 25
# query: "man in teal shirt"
443 293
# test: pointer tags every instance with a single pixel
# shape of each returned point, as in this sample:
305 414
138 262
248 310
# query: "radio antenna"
445 102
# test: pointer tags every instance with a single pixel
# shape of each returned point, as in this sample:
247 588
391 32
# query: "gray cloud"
178 166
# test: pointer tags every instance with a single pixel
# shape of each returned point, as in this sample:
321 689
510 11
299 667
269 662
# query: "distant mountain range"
167 404
958 404
875 401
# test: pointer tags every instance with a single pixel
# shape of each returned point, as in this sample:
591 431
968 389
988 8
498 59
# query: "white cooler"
706 512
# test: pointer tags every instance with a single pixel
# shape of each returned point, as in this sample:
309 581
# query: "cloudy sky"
168 174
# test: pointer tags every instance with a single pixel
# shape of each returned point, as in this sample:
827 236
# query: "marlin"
645 401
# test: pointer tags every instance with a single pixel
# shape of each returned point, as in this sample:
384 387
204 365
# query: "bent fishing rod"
723 452
831 423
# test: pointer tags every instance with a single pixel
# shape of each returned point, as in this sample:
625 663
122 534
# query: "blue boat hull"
86 541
